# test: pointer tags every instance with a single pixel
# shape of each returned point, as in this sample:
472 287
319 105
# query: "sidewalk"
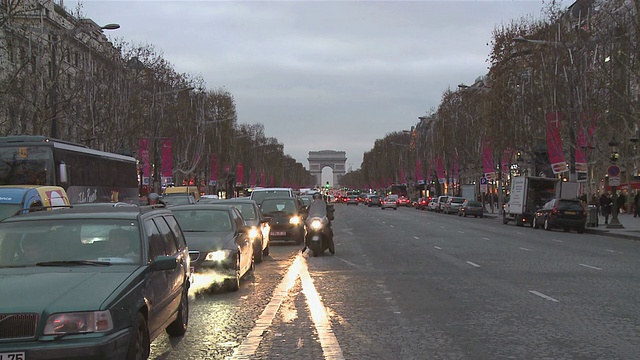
631 228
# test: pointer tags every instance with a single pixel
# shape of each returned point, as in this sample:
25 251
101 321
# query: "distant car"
16 199
219 240
471 208
391 201
178 199
374 200
421 203
404 201
94 282
259 194
352 199
432 205
286 219
442 200
453 204
565 214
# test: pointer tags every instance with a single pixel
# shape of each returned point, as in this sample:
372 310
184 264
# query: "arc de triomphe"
336 160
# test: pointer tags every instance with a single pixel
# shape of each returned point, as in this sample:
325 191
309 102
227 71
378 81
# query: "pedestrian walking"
605 206
636 200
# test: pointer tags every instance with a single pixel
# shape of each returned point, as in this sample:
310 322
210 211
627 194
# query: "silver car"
390 201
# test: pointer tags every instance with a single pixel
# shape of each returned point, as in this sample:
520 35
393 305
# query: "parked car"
219 240
442 200
421 203
470 207
258 222
286 219
433 205
453 204
93 282
565 214
391 201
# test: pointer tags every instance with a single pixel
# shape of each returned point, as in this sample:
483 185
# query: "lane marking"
543 296
518 232
252 341
461 232
486 239
330 346
473 264
590 267
391 225
557 240
525 249
348 262
441 227
438 247
417 238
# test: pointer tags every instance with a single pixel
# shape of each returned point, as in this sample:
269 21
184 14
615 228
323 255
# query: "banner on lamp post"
554 143
143 146
239 175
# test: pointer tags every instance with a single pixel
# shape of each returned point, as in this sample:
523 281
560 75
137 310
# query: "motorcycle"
318 235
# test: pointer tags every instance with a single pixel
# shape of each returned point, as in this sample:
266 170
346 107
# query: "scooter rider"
319 207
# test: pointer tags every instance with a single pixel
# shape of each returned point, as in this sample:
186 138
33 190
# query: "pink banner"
239 174
581 156
167 158
213 175
252 178
554 142
440 170
143 146
487 159
419 178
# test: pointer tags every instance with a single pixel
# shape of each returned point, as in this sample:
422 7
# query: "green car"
91 282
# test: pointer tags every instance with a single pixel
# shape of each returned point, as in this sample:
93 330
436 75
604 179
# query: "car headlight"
253 233
316 225
78 323
219 255
295 220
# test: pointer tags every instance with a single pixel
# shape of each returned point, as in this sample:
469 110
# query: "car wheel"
179 326
546 225
139 345
265 252
505 220
257 252
233 284
395 208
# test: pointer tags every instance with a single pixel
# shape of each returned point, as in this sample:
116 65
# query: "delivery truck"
529 193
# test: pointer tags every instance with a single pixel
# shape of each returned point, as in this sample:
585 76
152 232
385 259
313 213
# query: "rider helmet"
317 196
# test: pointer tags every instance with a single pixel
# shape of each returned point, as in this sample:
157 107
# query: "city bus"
87 175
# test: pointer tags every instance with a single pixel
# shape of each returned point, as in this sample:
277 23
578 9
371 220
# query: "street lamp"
614 223
54 72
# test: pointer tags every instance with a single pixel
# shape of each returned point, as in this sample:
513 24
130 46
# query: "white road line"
611 251
330 346
557 240
473 264
347 262
249 346
441 227
438 247
543 296
590 267
486 239
417 238
525 249
518 232
391 225
461 232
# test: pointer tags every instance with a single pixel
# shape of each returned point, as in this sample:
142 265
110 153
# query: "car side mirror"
164 262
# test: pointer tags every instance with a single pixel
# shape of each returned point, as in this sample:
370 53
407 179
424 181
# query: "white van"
260 194
442 201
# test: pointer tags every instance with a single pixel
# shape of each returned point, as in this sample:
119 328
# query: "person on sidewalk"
605 206
636 200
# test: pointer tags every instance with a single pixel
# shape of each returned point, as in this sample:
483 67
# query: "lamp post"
53 96
614 223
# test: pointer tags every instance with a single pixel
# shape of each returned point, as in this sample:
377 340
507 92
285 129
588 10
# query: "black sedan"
259 225
219 241
565 214
286 219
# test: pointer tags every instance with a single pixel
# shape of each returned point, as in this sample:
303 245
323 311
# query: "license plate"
570 212
278 233
12 356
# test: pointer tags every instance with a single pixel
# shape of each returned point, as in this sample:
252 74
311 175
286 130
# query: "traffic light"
327 186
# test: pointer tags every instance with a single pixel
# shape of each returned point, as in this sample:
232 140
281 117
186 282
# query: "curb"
611 234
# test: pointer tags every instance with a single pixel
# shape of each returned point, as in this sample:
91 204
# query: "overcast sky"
321 75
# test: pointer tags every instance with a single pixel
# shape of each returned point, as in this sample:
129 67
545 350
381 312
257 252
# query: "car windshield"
279 206
569 205
177 199
248 211
259 195
44 242
203 220
474 204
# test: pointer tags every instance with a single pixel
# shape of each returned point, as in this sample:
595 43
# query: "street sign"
614 175
483 185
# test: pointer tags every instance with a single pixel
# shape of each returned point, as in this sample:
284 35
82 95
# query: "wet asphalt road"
410 284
